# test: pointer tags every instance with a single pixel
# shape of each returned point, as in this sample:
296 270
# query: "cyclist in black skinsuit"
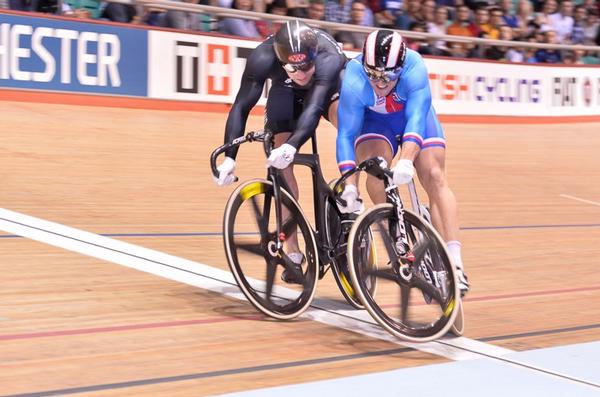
304 65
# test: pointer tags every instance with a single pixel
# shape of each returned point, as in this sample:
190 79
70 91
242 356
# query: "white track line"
580 199
220 281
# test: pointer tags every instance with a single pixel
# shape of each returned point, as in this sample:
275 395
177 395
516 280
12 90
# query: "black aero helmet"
296 45
384 53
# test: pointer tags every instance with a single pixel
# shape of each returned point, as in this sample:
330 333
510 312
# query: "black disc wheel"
258 256
417 294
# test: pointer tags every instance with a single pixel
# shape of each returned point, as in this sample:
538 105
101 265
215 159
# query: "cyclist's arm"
327 71
251 87
417 107
351 111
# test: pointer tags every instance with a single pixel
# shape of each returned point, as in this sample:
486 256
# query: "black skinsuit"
290 108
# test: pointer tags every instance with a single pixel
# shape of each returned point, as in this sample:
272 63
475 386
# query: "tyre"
417 294
458 328
338 227
251 240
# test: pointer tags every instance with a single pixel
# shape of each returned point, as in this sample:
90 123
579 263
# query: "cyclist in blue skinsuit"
385 94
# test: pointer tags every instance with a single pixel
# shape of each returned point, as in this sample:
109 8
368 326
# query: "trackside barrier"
59 55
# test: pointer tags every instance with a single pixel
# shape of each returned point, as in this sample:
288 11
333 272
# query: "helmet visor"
294 67
383 75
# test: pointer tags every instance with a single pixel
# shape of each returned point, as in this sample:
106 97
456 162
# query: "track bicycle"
261 214
417 298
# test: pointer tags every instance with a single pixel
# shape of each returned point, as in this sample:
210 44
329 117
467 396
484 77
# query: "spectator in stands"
424 46
529 56
439 26
577 56
449 3
457 50
19 5
462 23
46 6
354 40
120 12
460 27
411 14
515 54
590 58
542 18
375 7
501 53
591 27
238 26
184 20
339 11
268 27
510 18
538 5
562 21
578 31
496 22
591 5
524 19
390 11
418 45
428 10
482 23
545 55
297 8
316 10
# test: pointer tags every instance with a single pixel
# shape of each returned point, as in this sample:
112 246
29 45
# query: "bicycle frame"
377 167
321 190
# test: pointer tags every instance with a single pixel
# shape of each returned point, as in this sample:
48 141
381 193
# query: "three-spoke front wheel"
258 255
417 294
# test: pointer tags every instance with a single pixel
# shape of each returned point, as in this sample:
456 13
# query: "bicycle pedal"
291 277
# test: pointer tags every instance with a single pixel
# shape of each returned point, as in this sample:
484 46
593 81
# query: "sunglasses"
383 75
293 68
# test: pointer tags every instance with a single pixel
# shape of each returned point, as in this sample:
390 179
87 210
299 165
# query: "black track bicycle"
417 297
260 218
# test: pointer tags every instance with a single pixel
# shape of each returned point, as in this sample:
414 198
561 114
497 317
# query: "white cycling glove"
403 172
226 170
282 156
353 203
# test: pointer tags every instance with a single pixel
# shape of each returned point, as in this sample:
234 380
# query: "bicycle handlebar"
373 166
249 137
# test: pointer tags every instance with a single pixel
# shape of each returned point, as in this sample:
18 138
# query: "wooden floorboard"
529 202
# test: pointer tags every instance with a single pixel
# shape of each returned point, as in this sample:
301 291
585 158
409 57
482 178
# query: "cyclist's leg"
377 139
290 179
430 166
431 169
331 114
373 147
282 110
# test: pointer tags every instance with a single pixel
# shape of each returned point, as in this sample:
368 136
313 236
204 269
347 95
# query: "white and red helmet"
384 53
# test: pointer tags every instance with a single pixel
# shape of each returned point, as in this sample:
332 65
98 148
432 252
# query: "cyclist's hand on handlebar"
282 156
353 203
226 170
404 171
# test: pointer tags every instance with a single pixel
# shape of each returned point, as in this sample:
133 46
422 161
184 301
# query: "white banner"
491 88
208 69
195 67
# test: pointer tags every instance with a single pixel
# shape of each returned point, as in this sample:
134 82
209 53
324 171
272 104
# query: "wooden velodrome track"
73 324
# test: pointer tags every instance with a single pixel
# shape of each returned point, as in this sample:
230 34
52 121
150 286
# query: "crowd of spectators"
540 21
